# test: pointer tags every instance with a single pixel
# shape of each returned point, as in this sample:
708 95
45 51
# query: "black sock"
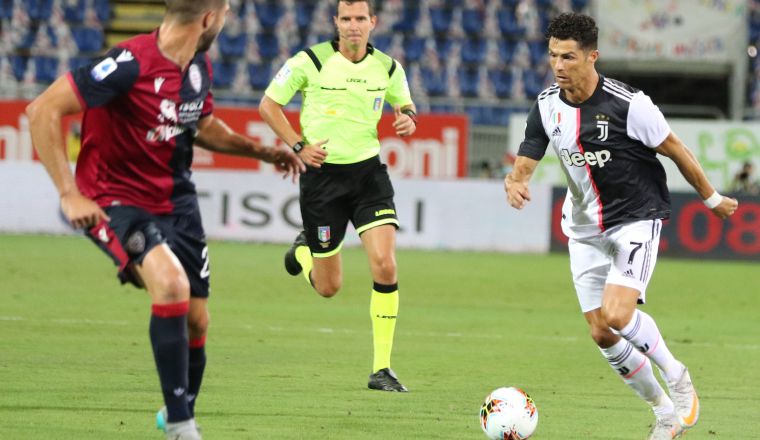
195 372
168 335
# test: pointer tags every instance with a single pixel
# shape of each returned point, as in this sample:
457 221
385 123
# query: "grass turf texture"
75 359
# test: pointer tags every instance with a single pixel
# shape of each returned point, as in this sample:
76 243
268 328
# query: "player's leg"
380 244
633 264
590 263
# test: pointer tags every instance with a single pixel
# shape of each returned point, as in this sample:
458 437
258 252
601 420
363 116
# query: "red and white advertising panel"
437 150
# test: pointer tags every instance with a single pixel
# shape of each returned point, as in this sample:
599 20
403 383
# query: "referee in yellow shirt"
344 84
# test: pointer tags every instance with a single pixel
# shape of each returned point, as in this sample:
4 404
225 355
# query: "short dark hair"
188 10
573 26
370 4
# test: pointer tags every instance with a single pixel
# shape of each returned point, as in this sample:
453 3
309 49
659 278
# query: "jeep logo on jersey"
592 158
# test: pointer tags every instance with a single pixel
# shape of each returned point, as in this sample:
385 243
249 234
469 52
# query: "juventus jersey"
606 149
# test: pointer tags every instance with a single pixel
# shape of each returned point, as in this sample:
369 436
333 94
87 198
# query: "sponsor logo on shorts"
592 158
382 212
323 234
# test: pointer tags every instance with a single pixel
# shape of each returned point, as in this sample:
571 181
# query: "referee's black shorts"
336 193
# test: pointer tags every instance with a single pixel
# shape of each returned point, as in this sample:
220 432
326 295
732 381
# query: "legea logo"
592 158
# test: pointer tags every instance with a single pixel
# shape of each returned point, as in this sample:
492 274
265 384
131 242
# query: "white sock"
636 371
643 333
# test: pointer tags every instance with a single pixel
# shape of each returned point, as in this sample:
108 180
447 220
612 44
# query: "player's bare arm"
405 121
516 182
215 135
673 148
45 114
312 155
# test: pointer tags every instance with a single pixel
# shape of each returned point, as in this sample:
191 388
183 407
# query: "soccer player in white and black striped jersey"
607 135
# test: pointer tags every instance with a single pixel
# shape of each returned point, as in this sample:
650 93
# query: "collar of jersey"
370 49
593 99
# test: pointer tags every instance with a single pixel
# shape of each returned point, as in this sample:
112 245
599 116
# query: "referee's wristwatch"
298 146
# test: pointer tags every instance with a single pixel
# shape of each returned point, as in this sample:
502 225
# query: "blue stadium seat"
443 46
578 5
414 48
538 52
468 81
472 21
28 40
441 19
232 46
502 82
533 82
224 73
304 12
103 10
269 14
259 75
506 50
473 50
409 18
74 12
269 46
39 9
78 62
18 65
6 9
435 81
382 42
88 39
508 24
46 69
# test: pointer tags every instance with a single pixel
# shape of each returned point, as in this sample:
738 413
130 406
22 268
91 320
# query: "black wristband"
409 112
298 146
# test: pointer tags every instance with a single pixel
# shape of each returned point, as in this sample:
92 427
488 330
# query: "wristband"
298 146
713 201
412 115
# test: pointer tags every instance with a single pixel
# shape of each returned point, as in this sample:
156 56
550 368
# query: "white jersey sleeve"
646 123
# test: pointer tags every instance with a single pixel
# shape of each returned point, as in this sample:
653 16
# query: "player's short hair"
188 10
573 26
370 3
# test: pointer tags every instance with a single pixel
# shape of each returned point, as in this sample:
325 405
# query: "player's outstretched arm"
215 135
45 114
673 148
312 155
516 182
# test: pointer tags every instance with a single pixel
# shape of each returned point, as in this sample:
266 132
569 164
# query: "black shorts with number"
133 232
336 193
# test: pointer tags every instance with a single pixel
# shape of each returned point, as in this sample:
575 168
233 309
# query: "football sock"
643 333
195 371
636 371
383 308
168 335
304 258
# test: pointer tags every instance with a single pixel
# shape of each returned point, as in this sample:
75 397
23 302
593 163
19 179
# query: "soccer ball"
508 414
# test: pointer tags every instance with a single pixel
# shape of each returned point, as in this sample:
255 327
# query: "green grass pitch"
75 359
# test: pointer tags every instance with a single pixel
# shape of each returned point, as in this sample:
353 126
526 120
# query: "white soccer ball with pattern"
508 414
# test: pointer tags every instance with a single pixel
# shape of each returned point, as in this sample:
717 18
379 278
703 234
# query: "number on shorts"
633 252
205 272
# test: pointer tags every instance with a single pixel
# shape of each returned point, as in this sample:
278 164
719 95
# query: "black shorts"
133 232
334 194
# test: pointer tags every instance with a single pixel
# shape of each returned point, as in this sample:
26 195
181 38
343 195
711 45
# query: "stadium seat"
74 11
538 52
502 82
414 48
28 40
304 12
46 69
224 73
506 51
579 5
473 50
508 24
269 46
88 39
435 81
269 14
440 19
6 9
39 9
232 46
443 46
18 64
533 82
408 21
468 81
472 21
259 75
103 10
382 42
